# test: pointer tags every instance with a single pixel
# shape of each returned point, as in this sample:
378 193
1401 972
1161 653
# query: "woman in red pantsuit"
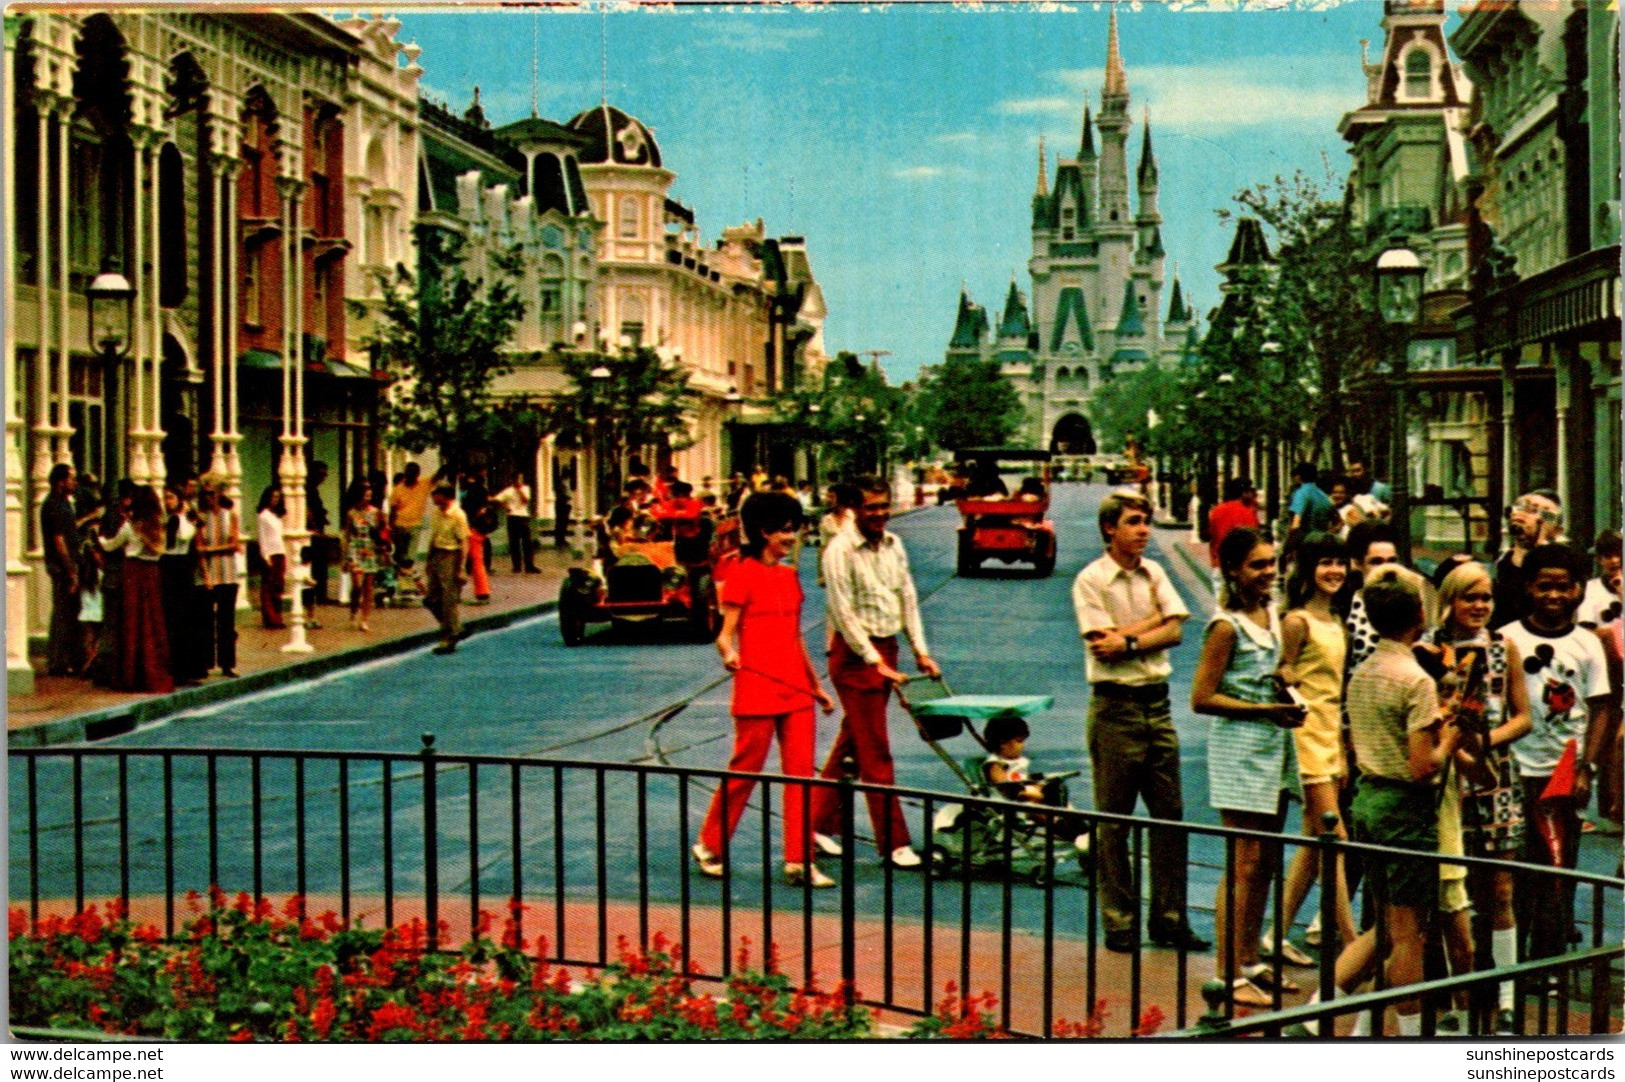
775 684
144 651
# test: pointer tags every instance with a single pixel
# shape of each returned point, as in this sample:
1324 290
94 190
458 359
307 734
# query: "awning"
265 360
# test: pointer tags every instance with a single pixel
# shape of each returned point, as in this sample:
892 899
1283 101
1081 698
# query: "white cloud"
1028 106
918 172
755 34
1209 99
956 137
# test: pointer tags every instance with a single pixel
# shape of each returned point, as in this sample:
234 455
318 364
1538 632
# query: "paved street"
520 691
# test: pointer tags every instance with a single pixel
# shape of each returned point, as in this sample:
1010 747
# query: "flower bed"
244 970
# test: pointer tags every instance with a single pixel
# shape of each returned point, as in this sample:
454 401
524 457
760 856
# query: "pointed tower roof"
1131 322
970 326
1116 78
1153 248
1015 323
1086 148
1043 169
1178 310
1249 247
1148 158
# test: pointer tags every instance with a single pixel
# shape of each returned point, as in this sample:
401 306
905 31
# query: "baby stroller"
1035 844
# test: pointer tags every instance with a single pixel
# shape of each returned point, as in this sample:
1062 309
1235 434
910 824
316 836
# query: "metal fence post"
849 917
1330 859
431 830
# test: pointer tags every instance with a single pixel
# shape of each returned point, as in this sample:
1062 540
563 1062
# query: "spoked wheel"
705 615
572 615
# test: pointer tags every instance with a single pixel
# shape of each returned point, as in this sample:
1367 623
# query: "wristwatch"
1131 644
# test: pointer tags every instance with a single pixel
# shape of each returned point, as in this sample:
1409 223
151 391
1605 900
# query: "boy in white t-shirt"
1566 673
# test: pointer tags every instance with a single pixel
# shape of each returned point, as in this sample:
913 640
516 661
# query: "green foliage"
442 335
643 402
966 402
1119 410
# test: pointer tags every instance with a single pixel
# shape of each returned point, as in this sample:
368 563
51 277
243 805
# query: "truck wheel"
968 565
572 615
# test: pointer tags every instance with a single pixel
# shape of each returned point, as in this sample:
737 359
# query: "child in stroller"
1008 772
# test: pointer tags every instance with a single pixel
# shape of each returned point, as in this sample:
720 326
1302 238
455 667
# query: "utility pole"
874 355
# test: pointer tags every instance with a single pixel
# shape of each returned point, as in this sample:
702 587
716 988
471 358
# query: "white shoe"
1311 935
904 857
1290 954
710 864
1081 843
827 845
797 874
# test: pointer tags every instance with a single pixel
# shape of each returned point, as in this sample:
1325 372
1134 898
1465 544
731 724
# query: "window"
172 258
629 217
550 299
251 284
1418 73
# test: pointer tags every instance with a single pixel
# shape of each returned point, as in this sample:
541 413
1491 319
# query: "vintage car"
997 526
668 575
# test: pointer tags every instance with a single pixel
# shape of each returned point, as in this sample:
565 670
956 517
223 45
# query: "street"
520 691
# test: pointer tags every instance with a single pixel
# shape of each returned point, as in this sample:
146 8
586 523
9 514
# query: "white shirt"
515 500
270 534
871 593
1106 595
1568 670
1597 600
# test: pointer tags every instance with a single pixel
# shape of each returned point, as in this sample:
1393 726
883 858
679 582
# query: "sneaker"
798 874
904 856
710 864
1290 954
827 845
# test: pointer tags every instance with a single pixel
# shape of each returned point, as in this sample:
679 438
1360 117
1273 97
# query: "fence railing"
598 852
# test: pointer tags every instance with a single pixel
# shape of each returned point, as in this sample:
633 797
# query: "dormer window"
1418 73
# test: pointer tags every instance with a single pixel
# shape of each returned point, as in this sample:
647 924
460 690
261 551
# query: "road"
520 691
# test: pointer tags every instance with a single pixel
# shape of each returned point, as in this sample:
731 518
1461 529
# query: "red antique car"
668 575
997 526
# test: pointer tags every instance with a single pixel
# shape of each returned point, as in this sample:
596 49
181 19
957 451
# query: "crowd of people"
144 584
1464 714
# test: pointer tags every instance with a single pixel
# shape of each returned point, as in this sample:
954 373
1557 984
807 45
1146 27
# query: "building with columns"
222 164
1097 274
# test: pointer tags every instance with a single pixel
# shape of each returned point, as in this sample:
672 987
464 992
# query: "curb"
1203 575
127 717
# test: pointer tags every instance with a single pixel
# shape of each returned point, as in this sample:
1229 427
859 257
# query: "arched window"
1418 73
172 255
630 219
1061 373
548 183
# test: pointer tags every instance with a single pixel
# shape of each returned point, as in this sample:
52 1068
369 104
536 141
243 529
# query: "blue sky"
901 140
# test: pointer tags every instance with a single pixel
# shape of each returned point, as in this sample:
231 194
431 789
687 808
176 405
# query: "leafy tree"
442 335
637 401
967 402
1119 409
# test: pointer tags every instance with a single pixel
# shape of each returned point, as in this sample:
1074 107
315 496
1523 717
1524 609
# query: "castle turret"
1113 123
1088 160
1015 326
970 327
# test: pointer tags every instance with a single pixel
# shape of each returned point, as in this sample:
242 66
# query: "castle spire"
1086 148
1116 78
1148 159
1043 169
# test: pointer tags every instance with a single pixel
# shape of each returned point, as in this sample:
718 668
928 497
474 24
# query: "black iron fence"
595 854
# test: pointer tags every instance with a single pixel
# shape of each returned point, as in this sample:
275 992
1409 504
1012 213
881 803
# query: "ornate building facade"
220 164
1097 279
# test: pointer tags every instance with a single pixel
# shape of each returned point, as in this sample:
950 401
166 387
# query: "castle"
1097 279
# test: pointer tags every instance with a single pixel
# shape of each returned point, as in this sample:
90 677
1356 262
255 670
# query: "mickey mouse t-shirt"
1561 673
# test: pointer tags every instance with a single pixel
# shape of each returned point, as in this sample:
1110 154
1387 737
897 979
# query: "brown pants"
443 592
1135 754
272 582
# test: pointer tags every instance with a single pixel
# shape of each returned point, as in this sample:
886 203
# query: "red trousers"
273 580
476 560
863 737
144 653
752 736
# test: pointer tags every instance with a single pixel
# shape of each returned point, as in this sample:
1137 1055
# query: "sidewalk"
66 710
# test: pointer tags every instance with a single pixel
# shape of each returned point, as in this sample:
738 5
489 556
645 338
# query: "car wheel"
968 564
572 615
704 614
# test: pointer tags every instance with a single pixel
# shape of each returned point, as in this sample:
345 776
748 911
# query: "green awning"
265 360
259 358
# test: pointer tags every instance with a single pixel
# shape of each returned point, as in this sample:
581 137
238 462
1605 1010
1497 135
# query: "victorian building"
218 168
1544 314
1095 309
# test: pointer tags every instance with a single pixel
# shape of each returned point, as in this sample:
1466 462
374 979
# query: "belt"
1139 693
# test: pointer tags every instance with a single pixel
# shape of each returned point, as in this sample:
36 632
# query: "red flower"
1151 1020
241 1036
18 919
148 934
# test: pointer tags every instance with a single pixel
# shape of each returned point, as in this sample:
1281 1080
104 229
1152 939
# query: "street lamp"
112 322
1399 301
599 376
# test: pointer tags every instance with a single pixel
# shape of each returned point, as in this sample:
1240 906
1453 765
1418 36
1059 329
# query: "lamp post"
112 320
600 375
1399 303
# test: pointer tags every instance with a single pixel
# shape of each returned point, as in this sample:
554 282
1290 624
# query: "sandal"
1262 976
1289 952
1244 993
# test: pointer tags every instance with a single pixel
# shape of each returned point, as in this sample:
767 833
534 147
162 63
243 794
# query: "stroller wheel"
942 861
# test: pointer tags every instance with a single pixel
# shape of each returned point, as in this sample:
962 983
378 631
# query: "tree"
638 400
1119 409
441 335
967 402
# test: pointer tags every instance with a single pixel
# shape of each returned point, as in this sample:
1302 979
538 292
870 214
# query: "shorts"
1319 779
1403 816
